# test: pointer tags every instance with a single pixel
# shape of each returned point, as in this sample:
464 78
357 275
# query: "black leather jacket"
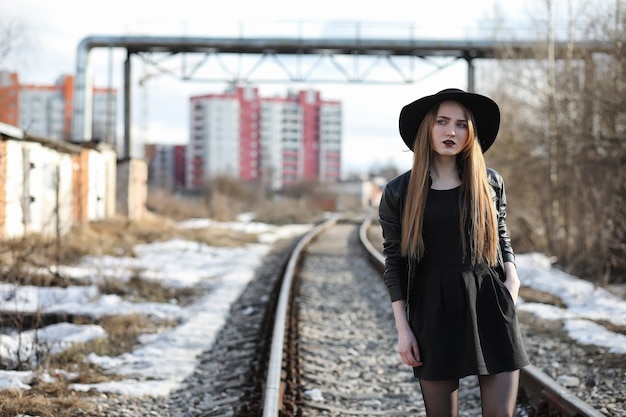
397 267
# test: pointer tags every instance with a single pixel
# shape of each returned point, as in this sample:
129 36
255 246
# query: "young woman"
449 265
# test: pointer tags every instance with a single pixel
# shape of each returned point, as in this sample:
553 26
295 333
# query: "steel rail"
545 395
272 397
549 398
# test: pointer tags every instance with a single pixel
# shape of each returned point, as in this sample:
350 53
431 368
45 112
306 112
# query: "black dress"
463 316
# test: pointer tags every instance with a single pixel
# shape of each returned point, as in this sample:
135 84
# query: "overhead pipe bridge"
394 53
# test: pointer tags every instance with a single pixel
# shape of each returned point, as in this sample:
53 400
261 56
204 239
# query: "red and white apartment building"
47 110
274 141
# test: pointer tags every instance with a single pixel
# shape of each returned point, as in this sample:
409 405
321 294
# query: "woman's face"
450 131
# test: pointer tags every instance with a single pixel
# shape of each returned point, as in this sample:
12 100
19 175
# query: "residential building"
274 141
47 110
166 166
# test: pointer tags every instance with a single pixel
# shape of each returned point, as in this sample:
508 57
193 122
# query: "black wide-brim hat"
486 115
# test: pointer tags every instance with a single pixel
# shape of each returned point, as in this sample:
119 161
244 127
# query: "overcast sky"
53 30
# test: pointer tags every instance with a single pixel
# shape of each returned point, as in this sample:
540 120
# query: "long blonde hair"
478 214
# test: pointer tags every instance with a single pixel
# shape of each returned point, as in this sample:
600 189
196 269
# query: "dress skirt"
465 324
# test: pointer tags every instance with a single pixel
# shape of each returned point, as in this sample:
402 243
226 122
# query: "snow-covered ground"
163 360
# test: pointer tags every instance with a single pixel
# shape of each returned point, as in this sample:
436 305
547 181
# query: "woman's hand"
512 282
407 344
408 349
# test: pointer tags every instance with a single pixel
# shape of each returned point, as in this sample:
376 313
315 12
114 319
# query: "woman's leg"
499 393
441 398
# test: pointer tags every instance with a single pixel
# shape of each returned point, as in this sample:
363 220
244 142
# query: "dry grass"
176 207
115 237
138 289
615 328
122 331
56 399
45 400
535 296
118 236
287 212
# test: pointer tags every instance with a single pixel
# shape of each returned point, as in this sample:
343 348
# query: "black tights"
498 395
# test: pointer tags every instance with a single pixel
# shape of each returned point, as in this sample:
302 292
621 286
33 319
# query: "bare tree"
13 37
563 139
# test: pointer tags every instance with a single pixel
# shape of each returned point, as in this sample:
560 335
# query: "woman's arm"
395 276
508 255
511 281
390 219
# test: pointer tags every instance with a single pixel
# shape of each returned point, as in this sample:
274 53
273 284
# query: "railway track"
333 346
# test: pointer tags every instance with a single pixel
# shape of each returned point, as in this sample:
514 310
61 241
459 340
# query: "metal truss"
271 67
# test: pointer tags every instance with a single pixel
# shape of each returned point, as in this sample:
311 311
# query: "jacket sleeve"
508 255
390 217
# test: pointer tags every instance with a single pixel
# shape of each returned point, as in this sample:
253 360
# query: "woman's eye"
463 125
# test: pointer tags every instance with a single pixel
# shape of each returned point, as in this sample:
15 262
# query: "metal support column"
127 101
471 82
